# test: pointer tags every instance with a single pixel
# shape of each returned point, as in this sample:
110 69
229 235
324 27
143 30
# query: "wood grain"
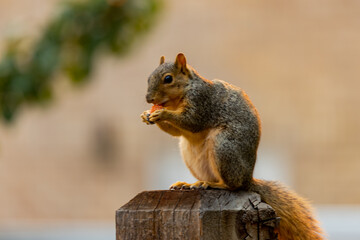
196 214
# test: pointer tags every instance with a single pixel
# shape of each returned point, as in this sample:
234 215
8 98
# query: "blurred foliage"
68 44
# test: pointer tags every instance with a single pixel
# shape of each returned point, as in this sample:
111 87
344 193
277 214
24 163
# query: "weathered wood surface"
195 214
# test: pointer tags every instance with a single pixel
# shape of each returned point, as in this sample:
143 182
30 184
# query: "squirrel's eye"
168 79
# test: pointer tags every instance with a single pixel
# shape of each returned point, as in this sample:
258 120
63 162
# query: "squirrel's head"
166 85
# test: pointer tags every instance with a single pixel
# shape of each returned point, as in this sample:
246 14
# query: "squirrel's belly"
198 156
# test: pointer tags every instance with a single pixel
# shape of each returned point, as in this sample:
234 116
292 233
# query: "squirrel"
219 130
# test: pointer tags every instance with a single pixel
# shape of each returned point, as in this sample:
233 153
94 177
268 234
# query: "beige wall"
297 60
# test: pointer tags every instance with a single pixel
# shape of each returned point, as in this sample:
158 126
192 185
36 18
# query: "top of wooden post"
195 214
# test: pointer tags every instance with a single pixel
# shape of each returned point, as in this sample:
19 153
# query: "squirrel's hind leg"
235 159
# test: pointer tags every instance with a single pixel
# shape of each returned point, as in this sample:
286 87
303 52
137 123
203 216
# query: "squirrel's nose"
149 98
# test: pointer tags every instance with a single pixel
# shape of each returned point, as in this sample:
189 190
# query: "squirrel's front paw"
145 117
157 115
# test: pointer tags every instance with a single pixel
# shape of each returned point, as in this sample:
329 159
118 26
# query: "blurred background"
68 163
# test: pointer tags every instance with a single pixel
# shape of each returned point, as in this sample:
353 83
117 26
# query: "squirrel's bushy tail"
297 221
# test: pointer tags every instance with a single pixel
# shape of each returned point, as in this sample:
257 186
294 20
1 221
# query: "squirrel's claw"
199 185
185 186
180 186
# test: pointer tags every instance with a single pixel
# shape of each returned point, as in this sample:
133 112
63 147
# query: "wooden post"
195 214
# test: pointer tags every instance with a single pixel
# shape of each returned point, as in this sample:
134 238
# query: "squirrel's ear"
162 60
180 62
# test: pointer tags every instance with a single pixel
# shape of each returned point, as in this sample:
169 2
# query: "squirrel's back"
220 103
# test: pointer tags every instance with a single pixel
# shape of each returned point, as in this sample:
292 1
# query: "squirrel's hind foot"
180 186
198 185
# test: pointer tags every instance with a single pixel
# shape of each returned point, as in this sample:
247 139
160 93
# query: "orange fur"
296 219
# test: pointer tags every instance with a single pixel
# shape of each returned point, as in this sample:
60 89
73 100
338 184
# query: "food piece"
155 107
